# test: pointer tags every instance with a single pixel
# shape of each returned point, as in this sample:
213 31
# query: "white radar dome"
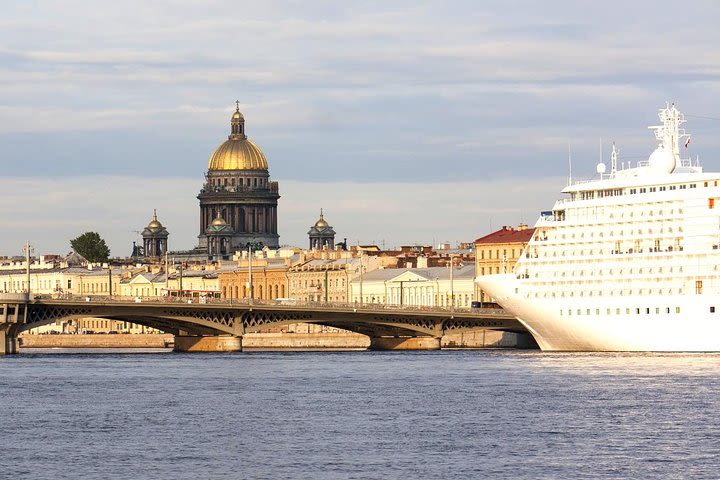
662 161
600 168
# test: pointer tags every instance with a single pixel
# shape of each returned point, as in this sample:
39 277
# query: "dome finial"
154 214
321 213
237 105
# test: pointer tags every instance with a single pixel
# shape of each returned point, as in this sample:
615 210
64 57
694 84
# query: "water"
449 414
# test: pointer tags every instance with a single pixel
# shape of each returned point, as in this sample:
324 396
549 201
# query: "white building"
433 286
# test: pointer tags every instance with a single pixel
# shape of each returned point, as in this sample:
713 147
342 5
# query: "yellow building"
326 277
498 252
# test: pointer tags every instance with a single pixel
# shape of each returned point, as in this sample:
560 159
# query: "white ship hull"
648 326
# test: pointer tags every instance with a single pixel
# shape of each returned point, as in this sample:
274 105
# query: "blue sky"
407 121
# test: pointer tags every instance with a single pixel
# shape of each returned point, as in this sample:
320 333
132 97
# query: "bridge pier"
404 343
8 341
187 343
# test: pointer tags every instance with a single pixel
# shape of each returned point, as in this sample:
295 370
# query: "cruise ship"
627 261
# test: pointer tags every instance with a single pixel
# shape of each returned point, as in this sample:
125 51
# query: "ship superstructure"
627 261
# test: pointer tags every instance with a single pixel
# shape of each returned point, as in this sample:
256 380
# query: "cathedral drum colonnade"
238 202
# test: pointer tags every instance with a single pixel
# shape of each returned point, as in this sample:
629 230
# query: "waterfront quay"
220 324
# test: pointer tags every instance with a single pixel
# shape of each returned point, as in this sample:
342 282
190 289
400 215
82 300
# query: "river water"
320 415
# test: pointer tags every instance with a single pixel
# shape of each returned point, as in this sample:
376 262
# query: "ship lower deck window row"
620 311
626 310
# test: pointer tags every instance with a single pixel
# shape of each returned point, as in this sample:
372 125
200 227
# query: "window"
698 286
712 309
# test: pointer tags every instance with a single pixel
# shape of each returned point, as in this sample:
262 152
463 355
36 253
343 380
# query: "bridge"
219 324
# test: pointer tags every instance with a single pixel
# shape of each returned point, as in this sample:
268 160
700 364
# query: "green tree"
91 246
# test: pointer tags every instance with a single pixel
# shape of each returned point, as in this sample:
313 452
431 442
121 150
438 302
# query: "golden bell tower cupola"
237 124
238 189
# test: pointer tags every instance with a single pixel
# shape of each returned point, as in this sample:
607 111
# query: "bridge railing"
284 304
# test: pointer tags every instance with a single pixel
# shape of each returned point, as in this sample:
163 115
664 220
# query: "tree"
91 246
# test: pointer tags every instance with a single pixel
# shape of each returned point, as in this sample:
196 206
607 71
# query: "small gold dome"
237 154
218 222
321 223
154 223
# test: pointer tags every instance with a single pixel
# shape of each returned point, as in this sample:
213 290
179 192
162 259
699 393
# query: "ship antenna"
569 165
613 159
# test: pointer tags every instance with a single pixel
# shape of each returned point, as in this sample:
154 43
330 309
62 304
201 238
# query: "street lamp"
28 249
452 285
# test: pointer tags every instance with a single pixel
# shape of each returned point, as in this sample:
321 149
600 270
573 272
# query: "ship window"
667 310
698 286
637 311
652 189
706 184
570 312
561 312
587 312
597 311
657 309
608 311
579 312
627 310
617 311
677 309
712 309
693 185
647 311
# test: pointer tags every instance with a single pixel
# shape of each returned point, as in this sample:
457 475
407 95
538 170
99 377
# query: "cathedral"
238 202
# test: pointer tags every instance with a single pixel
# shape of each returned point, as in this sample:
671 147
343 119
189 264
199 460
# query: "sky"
407 122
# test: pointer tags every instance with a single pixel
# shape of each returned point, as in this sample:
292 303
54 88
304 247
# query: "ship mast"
670 133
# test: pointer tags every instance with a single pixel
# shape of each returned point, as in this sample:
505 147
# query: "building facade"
417 287
325 276
239 191
499 251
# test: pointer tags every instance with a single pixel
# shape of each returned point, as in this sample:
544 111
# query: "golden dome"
321 223
154 223
237 153
219 221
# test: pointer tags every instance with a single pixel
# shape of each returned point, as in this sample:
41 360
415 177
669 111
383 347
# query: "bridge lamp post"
361 278
109 279
452 285
28 249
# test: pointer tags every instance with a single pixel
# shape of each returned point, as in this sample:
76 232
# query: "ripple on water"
359 415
